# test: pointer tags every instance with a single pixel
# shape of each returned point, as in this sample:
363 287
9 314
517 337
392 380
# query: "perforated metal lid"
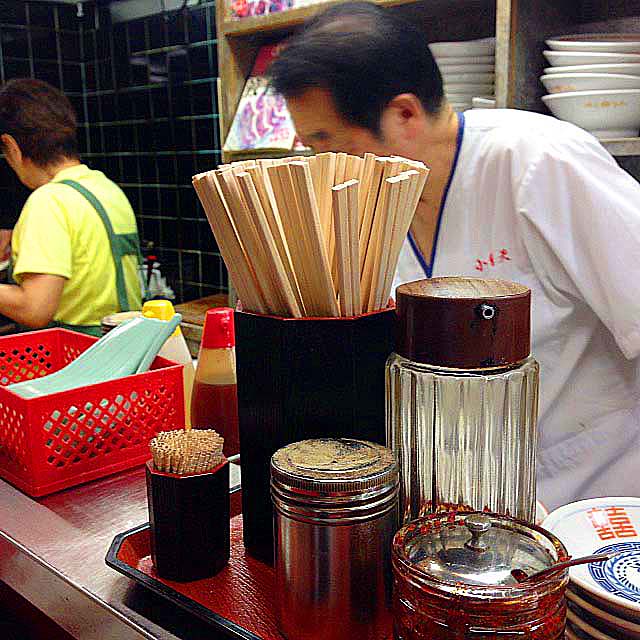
334 466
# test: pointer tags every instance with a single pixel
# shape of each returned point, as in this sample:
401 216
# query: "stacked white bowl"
603 598
467 70
594 82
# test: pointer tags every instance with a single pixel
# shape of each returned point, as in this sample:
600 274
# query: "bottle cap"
160 310
218 332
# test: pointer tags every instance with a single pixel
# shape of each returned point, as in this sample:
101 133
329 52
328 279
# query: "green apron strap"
121 245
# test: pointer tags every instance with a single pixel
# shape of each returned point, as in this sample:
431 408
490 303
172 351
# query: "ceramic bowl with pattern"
603 525
606 114
564 82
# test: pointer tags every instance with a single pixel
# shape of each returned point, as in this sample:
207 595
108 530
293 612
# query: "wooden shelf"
286 19
622 146
233 156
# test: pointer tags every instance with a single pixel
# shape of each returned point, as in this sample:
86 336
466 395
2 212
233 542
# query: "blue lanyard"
428 267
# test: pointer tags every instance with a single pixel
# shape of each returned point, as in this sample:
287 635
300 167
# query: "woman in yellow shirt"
75 248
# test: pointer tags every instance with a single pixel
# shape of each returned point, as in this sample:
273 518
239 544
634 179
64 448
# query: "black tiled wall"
145 92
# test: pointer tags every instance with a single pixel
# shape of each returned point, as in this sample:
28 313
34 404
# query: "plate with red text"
603 525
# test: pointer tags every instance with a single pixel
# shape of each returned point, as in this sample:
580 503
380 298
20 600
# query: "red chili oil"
425 608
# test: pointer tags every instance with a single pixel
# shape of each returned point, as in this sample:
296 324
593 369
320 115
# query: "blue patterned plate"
603 525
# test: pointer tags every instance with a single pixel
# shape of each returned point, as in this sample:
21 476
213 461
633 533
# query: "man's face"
322 128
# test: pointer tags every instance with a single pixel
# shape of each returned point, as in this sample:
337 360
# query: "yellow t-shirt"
60 233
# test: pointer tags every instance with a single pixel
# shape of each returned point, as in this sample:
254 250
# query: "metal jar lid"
475 550
334 467
464 323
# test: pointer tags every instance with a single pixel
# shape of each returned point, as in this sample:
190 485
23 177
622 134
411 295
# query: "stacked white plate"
594 82
604 597
467 70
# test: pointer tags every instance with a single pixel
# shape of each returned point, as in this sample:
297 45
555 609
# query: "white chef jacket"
539 201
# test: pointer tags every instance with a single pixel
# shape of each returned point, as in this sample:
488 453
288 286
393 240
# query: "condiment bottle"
214 404
453 579
174 349
335 513
462 397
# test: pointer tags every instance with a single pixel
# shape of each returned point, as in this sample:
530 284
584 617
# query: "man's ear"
11 150
403 116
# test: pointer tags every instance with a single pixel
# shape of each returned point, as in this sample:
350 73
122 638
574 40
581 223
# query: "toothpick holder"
189 519
301 378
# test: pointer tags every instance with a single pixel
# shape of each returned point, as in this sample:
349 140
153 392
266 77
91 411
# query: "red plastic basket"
64 439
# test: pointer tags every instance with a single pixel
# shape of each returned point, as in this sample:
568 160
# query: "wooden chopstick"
270 207
277 273
345 211
393 205
255 252
279 177
379 226
310 216
229 244
318 236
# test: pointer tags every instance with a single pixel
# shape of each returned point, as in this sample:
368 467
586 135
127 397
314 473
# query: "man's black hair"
365 56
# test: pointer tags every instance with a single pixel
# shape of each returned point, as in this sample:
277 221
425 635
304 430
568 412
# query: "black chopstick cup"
189 522
298 379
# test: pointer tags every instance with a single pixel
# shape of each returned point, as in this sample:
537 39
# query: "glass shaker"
458 577
462 397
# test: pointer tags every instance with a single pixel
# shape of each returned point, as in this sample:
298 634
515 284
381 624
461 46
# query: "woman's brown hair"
41 120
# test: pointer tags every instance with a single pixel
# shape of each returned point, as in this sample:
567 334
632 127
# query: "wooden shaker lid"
464 323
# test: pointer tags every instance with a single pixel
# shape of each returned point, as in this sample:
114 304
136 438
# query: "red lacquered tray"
238 601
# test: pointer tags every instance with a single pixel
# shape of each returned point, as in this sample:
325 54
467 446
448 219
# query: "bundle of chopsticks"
316 236
187 452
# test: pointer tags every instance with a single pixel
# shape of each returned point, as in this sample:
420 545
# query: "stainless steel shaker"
462 398
335 514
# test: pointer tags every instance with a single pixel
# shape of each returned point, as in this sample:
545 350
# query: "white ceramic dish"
607 114
587 629
602 525
612 608
467 78
629 69
597 42
630 629
489 103
482 47
466 68
464 98
570 635
567 58
464 87
564 82
465 60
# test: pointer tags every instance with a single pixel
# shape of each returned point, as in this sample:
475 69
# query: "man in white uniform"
511 195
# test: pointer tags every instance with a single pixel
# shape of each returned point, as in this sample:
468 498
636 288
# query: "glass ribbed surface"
464 439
